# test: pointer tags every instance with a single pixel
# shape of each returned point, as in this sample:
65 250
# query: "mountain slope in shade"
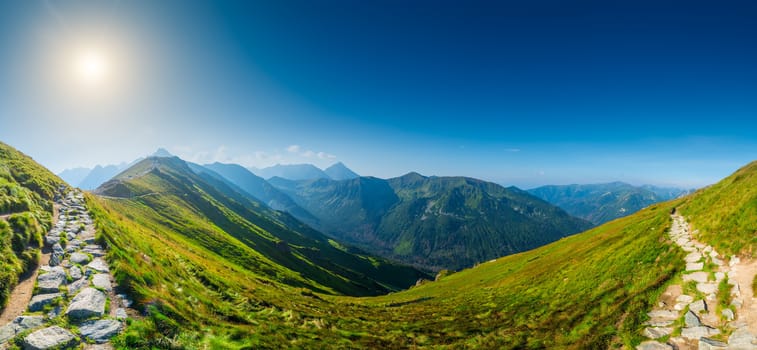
74 176
291 172
433 222
261 190
209 213
339 171
600 203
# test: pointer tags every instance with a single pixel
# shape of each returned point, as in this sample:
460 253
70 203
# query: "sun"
91 67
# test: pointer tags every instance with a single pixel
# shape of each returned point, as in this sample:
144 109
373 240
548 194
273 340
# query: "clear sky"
517 92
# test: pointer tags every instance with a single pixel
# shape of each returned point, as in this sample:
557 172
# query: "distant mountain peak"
339 171
162 152
291 172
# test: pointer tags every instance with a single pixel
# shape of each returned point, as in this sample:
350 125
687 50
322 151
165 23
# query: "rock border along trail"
74 301
686 316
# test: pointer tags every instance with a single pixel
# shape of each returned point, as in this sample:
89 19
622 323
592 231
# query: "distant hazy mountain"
261 190
291 172
600 203
339 171
74 176
99 174
434 222
209 214
162 153
90 179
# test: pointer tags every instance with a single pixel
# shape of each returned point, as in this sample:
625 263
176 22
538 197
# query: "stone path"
686 316
73 303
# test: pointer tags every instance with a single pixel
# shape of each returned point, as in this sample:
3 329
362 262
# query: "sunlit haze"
520 93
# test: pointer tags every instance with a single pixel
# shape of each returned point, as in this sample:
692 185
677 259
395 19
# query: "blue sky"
517 92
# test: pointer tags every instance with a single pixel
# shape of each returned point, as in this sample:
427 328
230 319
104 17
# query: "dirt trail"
743 273
19 298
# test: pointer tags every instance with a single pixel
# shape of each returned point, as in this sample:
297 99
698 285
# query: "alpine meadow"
418 174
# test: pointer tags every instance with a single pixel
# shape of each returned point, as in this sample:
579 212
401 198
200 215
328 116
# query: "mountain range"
600 203
208 266
219 217
91 178
337 171
431 222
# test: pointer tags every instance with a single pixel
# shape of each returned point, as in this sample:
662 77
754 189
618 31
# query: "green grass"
726 213
589 290
26 193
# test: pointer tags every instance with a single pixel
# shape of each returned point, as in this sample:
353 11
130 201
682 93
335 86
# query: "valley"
201 263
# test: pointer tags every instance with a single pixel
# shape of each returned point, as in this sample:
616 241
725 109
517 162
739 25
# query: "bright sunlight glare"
91 67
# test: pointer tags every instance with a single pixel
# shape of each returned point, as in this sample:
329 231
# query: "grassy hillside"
433 222
585 291
261 190
166 195
726 213
26 207
600 203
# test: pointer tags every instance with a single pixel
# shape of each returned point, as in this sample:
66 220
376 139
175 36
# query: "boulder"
39 302
693 257
696 277
19 324
694 266
98 265
79 258
657 332
698 306
50 337
100 331
89 302
121 314
29 322
707 288
56 258
75 273
77 285
102 280
7 332
51 281
698 332
93 249
653 345
691 319
711 344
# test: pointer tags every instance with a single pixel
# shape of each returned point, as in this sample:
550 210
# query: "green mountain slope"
725 214
600 203
433 222
166 194
260 189
27 191
590 290
586 291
